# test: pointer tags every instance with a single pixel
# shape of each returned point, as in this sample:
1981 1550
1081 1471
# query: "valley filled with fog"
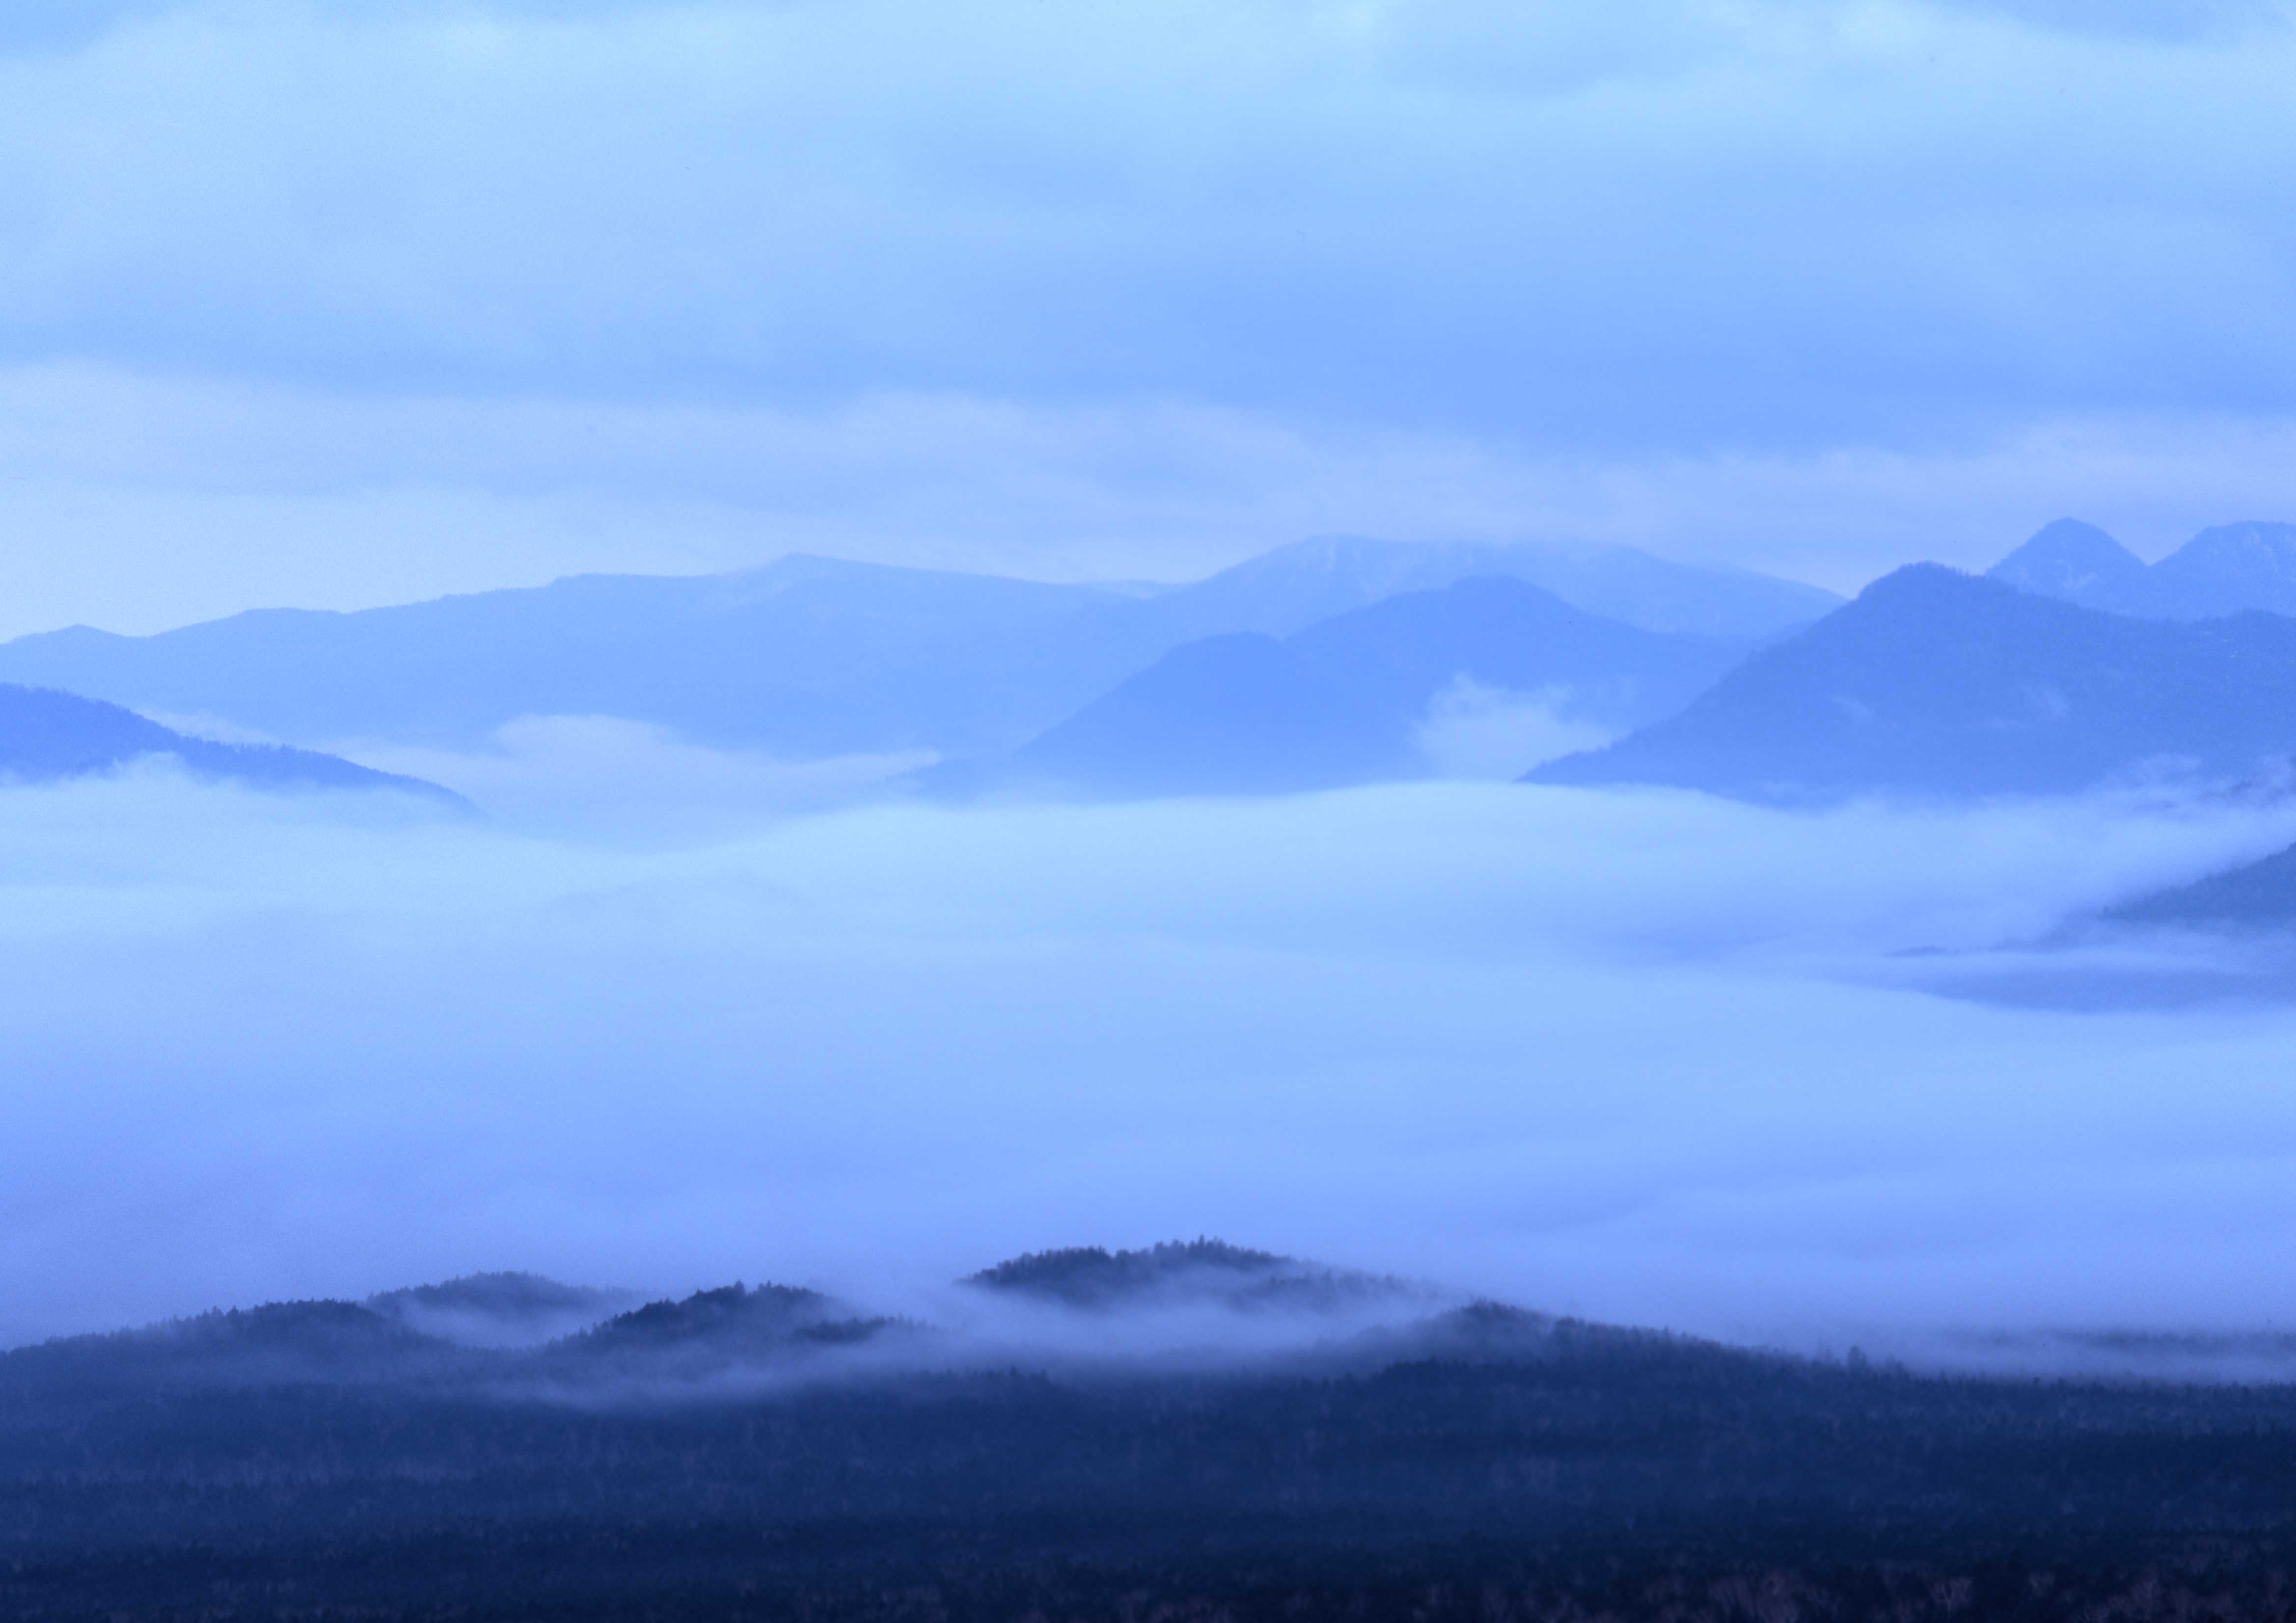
1286 811
1789 1077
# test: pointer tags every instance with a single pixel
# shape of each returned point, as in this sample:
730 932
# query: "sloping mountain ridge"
46 736
1936 683
2260 894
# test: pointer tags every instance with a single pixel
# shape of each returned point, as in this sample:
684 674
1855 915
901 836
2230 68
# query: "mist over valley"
1287 811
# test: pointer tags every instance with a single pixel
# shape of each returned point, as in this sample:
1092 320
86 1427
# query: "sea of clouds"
1651 1058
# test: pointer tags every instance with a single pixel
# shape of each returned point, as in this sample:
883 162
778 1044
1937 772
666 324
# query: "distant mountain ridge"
2227 570
810 657
1937 682
1295 586
46 736
1351 700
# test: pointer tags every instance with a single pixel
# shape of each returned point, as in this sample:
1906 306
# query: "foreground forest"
1479 1463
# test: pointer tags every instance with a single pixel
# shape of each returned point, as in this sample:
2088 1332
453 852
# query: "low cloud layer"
612 779
161 501
1646 1057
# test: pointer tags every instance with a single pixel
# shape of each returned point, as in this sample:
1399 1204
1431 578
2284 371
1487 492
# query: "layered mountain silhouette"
2227 570
810 657
45 735
1351 700
1933 682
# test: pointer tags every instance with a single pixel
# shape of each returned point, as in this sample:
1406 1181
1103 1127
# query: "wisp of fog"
1646 1057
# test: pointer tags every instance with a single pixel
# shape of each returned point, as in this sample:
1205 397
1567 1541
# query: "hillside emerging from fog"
47 737
2261 895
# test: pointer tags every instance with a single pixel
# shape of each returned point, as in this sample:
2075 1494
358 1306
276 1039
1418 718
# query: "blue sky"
339 303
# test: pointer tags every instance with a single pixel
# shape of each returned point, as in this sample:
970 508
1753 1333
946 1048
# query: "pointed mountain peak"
2254 548
2231 568
2075 562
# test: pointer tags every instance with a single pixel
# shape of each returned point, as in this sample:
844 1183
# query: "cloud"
341 304
1632 1056
1668 226
601 775
1474 731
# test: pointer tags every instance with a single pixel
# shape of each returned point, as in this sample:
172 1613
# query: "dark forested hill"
45 735
1936 683
313 1459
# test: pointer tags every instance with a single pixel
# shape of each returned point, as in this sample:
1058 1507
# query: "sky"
1651 1058
338 304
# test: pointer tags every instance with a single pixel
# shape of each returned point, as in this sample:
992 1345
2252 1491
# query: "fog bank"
1647 1058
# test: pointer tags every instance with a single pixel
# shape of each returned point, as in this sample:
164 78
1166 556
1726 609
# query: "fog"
1644 1057
1472 731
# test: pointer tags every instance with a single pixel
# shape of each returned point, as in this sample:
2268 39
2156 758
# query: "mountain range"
811 657
1936 683
1330 662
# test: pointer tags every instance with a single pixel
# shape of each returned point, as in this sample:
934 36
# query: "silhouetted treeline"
1611 1475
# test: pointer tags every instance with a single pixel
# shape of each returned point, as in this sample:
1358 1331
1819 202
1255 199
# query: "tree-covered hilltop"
1210 1271
1091 1273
